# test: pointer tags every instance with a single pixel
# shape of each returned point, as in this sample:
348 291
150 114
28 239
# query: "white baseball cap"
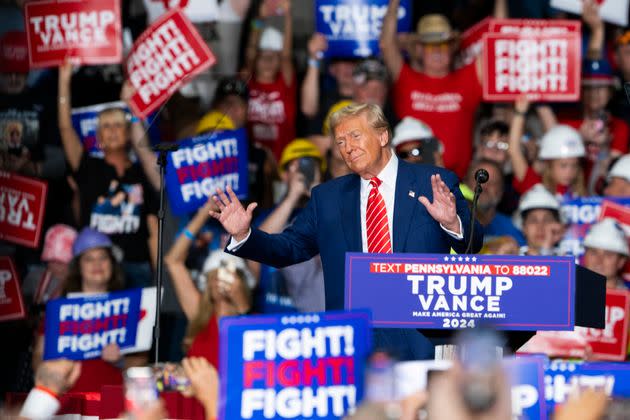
271 39
411 129
607 235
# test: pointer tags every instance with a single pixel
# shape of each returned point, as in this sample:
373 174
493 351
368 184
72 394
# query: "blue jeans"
137 274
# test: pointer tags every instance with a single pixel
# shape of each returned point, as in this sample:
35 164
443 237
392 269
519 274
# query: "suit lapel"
351 214
404 205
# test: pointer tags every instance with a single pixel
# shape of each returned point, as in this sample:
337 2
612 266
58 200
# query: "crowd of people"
101 219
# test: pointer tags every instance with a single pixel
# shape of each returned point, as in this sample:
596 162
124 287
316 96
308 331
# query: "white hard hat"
537 197
271 39
607 235
621 168
561 142
216 258
410 129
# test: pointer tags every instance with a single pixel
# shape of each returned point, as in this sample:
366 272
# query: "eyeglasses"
493 144
415 152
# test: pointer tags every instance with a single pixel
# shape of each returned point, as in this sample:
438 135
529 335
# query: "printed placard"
292 366
527 27
461 291
204 163
526 375
84 31
610 11
545 67
78 327
611 343
564 379
353 27
11 302
579 214
22 204
195 10
167 54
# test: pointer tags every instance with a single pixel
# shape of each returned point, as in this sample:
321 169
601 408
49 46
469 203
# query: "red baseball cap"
14 52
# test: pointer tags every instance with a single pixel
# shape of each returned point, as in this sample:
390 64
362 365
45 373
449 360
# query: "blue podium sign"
292 365
462 291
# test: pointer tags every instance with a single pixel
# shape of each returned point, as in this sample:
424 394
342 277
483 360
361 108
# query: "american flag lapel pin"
412 194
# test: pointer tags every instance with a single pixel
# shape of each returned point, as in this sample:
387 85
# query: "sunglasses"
415 152
500 145
442 46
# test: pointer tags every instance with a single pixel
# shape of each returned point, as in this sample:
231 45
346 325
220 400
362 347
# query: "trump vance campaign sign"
462 291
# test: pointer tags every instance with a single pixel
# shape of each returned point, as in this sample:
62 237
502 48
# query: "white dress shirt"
388 190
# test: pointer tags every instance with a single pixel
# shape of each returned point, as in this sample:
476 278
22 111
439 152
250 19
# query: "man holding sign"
428 90
386 206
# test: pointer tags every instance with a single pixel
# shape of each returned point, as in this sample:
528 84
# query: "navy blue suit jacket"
330 225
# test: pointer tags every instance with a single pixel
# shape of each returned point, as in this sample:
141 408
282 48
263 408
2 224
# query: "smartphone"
307 167
479 353
380 380
140 390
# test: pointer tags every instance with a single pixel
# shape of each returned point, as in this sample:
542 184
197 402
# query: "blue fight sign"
292 366
579 214
353 27
78 328
462 291
526 376
566 378
204 163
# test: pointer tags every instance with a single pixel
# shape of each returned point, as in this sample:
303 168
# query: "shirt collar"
387 175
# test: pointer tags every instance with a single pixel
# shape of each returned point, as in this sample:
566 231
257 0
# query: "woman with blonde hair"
223 289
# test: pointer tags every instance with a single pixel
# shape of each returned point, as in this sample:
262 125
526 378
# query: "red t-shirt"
618 129
271 114
532 178
206 343
94 374
447 104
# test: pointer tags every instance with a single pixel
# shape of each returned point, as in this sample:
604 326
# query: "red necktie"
378 240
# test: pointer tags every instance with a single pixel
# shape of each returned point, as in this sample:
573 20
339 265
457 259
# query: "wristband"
133 119
520 113
40 404
187 233
313 62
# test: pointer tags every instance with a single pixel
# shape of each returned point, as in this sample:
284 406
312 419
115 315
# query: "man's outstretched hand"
235 218
443 208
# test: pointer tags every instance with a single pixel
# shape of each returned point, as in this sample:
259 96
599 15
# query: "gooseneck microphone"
481 177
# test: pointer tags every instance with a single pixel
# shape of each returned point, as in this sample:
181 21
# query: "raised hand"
235 218
443 208
58 375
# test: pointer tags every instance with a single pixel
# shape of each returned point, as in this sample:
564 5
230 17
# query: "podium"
590 307
525 294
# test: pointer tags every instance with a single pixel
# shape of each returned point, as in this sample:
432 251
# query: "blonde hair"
111 110
577 186
374 114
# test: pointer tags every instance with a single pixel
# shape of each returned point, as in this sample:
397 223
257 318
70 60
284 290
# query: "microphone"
481 177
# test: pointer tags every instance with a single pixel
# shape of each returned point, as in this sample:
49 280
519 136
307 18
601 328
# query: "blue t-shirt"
502 225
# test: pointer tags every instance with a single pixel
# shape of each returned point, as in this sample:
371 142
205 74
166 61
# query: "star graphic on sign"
467 259
445 258
453 258
460 259
474 259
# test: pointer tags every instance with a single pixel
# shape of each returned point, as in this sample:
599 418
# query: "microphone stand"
162 149
473 211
